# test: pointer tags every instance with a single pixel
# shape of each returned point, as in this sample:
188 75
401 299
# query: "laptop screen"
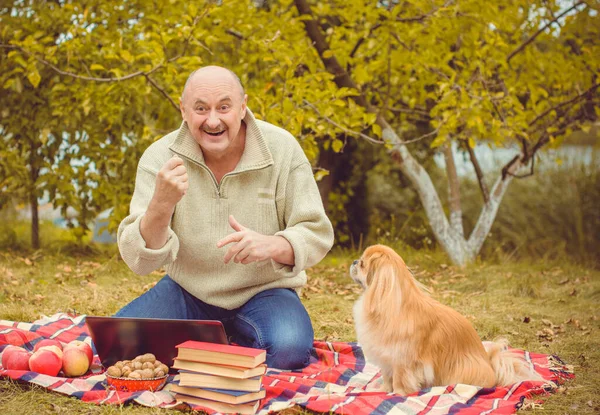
124 338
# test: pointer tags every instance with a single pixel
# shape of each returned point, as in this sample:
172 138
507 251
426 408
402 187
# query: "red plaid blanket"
338 380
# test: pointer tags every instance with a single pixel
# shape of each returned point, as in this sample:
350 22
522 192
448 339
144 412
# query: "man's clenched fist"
171 183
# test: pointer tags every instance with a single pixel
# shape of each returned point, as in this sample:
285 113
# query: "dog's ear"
384 293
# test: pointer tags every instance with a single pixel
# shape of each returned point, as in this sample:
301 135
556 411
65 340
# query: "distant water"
493 159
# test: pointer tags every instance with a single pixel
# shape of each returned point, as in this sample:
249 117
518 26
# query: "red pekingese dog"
418 342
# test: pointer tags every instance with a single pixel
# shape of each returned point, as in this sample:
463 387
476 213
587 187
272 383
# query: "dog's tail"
508 366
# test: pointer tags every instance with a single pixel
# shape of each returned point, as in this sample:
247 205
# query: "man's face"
213 107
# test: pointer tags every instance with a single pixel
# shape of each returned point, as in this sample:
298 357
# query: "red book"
222 354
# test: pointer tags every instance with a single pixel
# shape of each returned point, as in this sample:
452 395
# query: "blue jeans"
274 320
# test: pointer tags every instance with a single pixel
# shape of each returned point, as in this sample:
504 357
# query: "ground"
541 306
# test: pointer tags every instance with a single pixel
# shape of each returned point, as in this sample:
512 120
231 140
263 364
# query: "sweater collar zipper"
212 176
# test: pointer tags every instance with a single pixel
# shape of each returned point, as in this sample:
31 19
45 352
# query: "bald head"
213 73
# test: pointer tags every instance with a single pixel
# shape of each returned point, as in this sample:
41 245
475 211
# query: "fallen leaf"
28 261
563 282
526 319
546 333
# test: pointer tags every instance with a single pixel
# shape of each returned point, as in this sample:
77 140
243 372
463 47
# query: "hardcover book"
220 395
203 380
221 354
220 370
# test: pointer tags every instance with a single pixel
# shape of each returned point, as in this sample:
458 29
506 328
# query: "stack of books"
224 378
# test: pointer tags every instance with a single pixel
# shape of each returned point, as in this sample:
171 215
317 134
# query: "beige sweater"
272 191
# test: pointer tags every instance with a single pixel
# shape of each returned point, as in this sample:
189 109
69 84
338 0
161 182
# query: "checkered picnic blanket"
338 380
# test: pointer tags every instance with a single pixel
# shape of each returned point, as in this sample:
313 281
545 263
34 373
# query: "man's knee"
290 353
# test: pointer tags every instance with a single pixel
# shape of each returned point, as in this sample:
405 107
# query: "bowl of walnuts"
144 372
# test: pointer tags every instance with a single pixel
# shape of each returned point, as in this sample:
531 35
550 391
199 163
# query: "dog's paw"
386 386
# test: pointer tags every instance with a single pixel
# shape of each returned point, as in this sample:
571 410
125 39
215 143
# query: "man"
229 205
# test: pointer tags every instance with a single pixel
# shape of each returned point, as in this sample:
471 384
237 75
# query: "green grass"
496 297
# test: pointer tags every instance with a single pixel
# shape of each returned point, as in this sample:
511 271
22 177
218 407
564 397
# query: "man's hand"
171 185
250 246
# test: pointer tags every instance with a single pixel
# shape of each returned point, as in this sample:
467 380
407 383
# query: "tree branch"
536 34
562 104
344 129
91 78
341 77
413 19
520 176
362 39
235 33
479 173
410 111
162 91
422 17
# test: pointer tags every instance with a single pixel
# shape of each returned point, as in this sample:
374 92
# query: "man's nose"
213 120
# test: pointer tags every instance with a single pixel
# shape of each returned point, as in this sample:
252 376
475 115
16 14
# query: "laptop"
123 338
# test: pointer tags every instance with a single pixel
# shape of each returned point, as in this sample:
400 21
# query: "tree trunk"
453 191
35 222
33 202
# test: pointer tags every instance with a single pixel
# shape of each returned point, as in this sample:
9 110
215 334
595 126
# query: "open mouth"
215 134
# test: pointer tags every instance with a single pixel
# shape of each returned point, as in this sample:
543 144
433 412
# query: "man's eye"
200 109
224 107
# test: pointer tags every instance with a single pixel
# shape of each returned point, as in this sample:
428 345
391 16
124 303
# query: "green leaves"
422 65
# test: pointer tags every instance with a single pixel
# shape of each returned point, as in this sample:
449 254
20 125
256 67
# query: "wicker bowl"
134 385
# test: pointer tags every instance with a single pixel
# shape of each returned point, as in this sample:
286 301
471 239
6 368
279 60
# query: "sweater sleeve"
307 227
137 256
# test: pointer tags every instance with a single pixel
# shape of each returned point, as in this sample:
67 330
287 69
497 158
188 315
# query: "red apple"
15 358
46 360
82 346
47 342
54 349
8 350
75 361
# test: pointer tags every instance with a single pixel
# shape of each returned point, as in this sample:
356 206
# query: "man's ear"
244 106
182 108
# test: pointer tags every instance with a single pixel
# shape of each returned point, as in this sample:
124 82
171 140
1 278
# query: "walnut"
135 375
147 373
148 357
114 371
